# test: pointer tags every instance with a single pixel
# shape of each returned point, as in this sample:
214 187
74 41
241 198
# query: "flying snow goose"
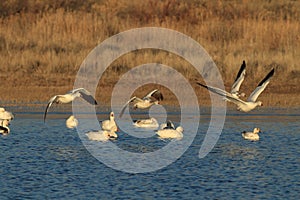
168 131
154 97
71 122
69 97
4 129
101 135
110 125
253 136
251 102
146 123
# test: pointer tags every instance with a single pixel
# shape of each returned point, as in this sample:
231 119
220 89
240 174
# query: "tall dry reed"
42 43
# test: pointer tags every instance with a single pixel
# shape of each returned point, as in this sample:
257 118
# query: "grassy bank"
43 43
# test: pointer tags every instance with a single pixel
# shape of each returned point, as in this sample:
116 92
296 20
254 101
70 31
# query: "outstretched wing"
261 87
155 95
126 104
53 99
218 91
235 100
86 95
223 93
239 79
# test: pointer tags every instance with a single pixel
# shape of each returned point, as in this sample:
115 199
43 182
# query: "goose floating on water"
253 136
69 97
168 131
251 102
110 125
146 123
101 135
72 122
154 97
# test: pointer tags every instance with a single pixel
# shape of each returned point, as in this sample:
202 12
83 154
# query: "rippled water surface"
40 161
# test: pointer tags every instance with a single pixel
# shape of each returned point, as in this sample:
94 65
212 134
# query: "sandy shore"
30 95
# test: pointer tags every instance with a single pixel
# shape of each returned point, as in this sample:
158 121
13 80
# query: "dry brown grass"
43 43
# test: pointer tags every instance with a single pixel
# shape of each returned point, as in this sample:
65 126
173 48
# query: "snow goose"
253 136
101 135
154 97
4 129
71 122
251 102
69 97
110 125
168 131
146 123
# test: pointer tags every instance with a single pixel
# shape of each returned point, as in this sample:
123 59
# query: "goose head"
256 130
112 116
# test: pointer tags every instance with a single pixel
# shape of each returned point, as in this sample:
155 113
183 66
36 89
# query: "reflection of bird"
238 81
110 125
253 136
168 131
69 97
71 122
101 135
4 129
251 102
146 123
154 97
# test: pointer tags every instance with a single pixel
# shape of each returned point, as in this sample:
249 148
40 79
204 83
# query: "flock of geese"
165 130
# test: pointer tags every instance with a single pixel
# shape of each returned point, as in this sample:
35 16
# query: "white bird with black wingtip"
154 97
69 97
251 102
168 131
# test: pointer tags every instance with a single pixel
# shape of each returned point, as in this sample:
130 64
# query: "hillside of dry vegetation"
43 43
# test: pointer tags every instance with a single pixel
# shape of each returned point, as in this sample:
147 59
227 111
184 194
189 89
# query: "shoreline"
39 96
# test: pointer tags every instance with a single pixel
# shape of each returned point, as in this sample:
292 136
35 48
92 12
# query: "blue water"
40 161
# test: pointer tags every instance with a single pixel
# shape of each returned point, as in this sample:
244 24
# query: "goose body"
154 97
253 136
167 131
101 135
110 125
146 123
